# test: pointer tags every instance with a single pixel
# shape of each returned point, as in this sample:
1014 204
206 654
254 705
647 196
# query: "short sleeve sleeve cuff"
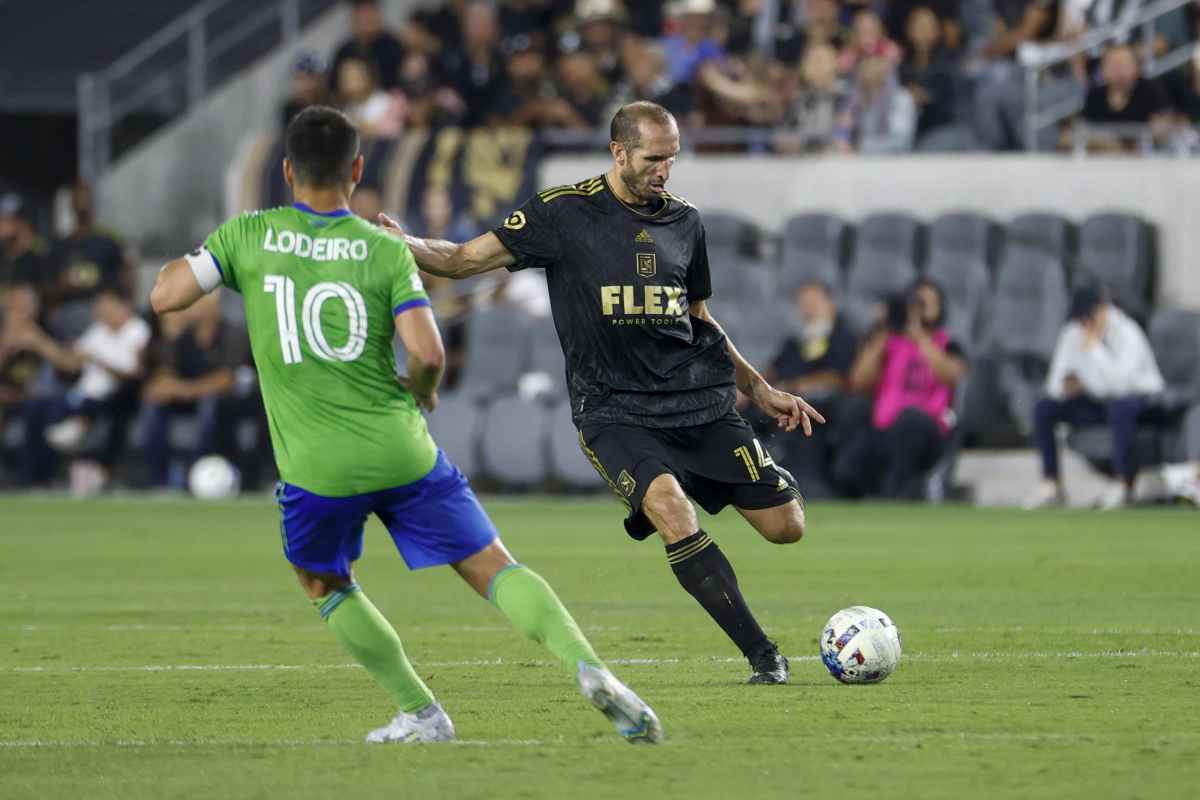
206 268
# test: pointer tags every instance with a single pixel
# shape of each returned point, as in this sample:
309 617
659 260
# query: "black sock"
707 575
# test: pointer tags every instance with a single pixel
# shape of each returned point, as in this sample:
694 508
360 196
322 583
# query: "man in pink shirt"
911 367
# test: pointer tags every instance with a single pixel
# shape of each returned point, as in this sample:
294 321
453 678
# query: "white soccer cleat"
633 719
1048 494
430 724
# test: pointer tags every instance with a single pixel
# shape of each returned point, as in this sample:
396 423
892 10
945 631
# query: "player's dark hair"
624 127
322 143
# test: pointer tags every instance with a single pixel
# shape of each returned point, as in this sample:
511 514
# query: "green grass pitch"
163 649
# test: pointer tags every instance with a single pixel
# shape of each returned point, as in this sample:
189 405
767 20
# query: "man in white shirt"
108 358
1103 372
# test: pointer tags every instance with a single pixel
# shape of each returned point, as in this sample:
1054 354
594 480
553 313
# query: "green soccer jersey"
321 292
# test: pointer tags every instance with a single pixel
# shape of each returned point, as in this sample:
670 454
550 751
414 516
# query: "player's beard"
638 186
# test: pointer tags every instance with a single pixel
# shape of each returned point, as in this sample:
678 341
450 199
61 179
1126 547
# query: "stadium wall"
1166 192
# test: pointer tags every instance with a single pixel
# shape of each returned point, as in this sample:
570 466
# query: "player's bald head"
627 129
321 143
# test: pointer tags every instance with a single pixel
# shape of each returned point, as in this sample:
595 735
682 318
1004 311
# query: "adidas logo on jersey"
643 237
322 249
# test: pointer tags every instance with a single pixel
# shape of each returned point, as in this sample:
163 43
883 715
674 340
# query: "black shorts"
718 464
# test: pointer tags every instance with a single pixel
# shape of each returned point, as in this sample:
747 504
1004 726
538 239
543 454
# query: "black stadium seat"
813 248
1115 250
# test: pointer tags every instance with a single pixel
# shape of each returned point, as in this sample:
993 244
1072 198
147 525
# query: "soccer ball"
860 644
213 478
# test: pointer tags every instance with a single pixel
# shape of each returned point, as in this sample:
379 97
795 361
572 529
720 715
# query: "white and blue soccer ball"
214 478
860 644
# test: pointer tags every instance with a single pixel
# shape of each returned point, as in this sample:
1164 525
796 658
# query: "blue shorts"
436 520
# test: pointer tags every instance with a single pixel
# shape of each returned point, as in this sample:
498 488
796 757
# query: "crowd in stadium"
869 76
81 364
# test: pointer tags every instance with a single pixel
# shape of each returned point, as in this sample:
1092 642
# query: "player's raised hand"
389 224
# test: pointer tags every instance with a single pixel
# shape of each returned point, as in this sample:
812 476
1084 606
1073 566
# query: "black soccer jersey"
621 281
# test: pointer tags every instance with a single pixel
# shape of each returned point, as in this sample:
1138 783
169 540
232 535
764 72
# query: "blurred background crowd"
869 76
95 393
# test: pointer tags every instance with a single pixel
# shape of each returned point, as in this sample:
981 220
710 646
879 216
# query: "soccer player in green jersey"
325 292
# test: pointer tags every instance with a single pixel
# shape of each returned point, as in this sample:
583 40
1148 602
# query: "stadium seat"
497 350
1044 231
455 428
743 282
546 354
723 229
759 333
512 450
814 247
884 263
1115 251
568 464
1029 308
965 234
1175 338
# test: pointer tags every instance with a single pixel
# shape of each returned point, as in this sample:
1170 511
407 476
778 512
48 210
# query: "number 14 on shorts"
760 459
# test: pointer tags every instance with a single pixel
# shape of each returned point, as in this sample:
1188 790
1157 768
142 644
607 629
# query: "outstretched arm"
450 260
789 410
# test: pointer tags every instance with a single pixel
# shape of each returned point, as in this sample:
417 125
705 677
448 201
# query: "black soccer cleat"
770 667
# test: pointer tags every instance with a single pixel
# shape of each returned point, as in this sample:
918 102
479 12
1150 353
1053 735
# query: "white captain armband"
206 268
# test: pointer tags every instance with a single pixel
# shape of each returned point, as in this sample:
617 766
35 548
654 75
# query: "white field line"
135 743
134 627
897 738
985 655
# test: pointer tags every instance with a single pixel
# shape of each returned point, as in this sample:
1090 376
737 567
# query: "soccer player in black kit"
651 375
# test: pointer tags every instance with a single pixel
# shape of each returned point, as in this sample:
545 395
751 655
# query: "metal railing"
173 69
1053 56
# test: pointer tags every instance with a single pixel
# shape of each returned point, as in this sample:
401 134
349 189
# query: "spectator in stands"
529 18
20 365
945 17
645 77
585 91
1103 372
1125 98
913 368
880 116
87 259
23 254
195 365
475 70
743 92
814 361
309 86
868 39
1033 27
424 104
693 43
369 41
811 122
376 113
109 360
821 25
927 71
601 27
529 97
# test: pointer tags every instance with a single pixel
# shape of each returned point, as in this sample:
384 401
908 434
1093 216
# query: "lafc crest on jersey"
647 265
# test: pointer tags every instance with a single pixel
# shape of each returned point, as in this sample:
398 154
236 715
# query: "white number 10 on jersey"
284 289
